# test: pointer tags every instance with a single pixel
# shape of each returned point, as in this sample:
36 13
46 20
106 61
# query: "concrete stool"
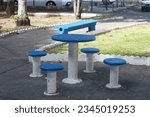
114 64
51 77
36 55
89 59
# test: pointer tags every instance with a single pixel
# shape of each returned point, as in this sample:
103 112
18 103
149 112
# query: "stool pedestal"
114 77
36 55
36 71
51 70
51 84
89 63
89 58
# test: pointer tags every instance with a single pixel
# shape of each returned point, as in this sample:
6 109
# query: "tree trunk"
106 3
10 8
77 8
23 19
1 5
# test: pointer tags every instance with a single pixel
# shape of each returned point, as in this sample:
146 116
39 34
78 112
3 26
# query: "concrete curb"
133 60
23 30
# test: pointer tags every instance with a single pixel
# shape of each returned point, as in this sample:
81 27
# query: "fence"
88 5
95 5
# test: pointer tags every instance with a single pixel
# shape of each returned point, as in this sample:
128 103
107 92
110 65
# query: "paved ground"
18 44
16 84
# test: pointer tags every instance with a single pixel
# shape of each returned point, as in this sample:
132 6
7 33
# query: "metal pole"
91 5
33 3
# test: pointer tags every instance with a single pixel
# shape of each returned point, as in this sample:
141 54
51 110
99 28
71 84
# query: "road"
132 14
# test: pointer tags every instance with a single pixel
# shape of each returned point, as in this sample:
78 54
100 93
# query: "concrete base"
71 81
86 71
50 94
34 76
113 86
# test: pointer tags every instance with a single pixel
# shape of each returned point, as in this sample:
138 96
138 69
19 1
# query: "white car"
47 3
145 5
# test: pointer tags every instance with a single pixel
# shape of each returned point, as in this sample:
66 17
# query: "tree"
1 5
22 19
10 8
77 8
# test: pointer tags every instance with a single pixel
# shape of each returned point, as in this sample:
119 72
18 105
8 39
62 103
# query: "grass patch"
60 49
133 41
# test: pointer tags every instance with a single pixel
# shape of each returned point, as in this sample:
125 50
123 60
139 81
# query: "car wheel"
50 4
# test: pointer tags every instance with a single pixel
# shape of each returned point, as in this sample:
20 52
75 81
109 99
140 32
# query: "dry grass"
8 24
50 20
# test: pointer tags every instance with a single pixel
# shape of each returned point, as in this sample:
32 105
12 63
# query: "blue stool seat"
51 67
36 53
90 50
114 61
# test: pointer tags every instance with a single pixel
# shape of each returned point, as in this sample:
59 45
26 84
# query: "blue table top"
73 38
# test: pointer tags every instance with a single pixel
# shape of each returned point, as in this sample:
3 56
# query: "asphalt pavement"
16 84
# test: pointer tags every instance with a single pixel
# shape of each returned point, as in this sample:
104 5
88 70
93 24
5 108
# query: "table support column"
72 65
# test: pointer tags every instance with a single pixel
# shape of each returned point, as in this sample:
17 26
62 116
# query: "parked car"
145 5
103 1
47 3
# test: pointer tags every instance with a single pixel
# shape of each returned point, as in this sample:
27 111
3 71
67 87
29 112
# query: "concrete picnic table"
73 40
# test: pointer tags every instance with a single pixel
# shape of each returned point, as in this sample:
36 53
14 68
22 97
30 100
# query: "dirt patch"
50 20
8 24
147 49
